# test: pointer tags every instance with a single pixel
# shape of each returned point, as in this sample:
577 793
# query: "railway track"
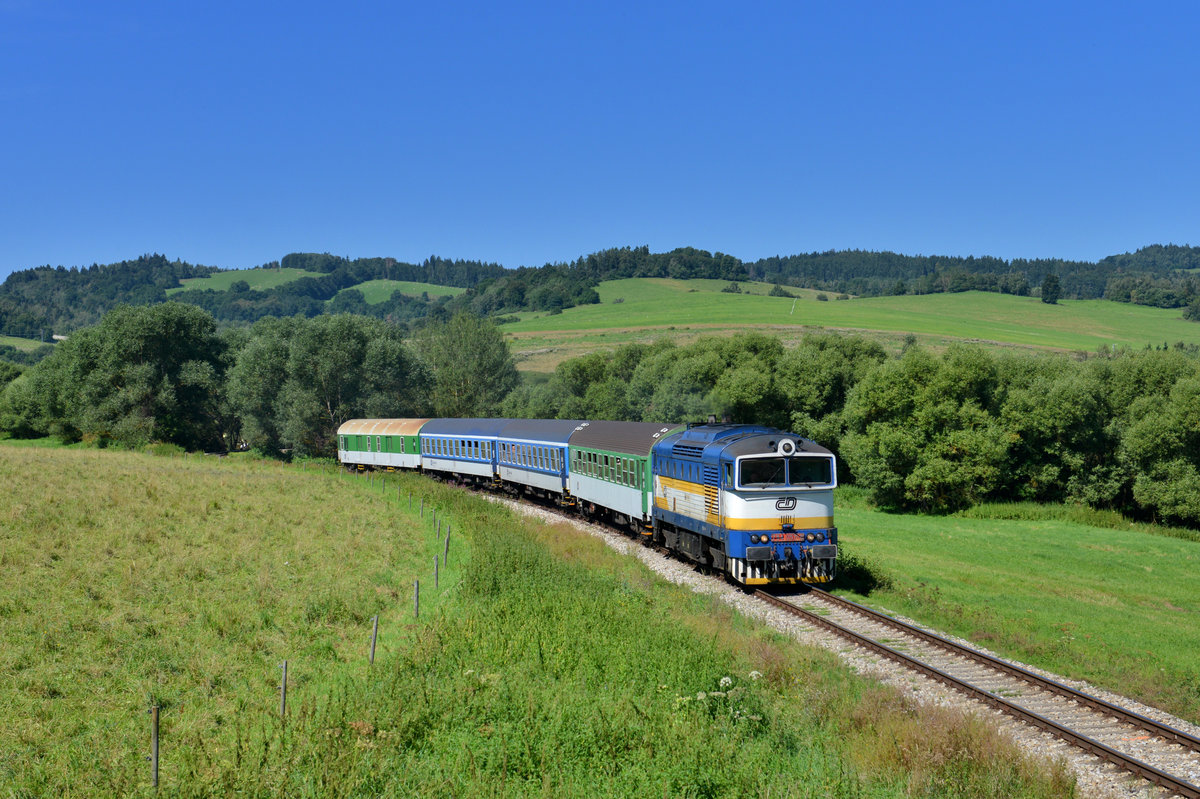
1163 755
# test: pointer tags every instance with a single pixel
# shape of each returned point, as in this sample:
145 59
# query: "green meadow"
1115 605
258 278
640 309
542 664
377 291
23 344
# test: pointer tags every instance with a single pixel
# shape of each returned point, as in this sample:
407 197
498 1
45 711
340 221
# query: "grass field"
649 308
543 664
23 344
377 291
258 278
1115 606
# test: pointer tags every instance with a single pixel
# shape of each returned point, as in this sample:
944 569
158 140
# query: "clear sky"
523 133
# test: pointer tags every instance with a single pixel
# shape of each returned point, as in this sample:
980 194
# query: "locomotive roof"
768 443
733 440
486 428
381 427
633 438
552 431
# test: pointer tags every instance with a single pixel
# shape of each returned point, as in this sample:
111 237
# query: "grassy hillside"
23 344
258 278
377 291
1115 606
543 664
641 309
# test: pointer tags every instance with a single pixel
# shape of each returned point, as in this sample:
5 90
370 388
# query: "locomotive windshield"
785 472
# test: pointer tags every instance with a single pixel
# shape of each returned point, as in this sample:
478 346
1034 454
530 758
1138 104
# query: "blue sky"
232 133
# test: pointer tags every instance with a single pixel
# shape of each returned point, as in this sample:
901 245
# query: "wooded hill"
35 303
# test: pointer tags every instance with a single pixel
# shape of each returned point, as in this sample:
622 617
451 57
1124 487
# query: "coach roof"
551 431
633 438
381 427
473 428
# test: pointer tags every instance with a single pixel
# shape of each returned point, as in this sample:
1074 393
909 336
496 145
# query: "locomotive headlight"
810 537
821 536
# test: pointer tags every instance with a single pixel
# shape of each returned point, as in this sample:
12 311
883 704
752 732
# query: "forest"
917 430
35 303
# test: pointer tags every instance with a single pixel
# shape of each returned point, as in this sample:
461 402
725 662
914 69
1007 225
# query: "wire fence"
442 541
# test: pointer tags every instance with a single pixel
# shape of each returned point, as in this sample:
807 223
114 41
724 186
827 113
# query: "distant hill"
44 300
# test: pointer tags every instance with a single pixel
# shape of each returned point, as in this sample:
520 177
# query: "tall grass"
545 665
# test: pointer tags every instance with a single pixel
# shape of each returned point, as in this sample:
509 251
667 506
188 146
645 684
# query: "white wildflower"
755 675
701 696
726 682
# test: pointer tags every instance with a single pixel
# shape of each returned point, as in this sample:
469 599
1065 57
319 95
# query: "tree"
1051 289
296 381
150 373
473 370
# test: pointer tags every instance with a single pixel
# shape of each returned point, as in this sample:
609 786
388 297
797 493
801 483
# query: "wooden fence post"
154 745
374 636
283 693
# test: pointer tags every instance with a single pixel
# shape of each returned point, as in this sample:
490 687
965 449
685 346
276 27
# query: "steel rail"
1144 770
1116 711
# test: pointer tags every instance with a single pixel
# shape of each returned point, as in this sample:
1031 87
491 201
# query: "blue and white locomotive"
750 501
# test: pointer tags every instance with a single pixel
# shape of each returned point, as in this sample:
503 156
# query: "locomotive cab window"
796 472
810 471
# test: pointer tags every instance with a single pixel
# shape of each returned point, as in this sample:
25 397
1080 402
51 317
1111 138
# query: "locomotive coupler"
789 560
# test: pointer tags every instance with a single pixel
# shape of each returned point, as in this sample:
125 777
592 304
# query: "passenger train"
752 502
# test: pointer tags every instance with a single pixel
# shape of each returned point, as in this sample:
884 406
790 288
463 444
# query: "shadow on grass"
859 575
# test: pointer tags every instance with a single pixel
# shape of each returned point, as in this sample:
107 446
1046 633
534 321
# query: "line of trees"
923 431
920 431
163 373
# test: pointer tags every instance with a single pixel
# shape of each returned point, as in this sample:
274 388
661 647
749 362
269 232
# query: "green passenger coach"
381 442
